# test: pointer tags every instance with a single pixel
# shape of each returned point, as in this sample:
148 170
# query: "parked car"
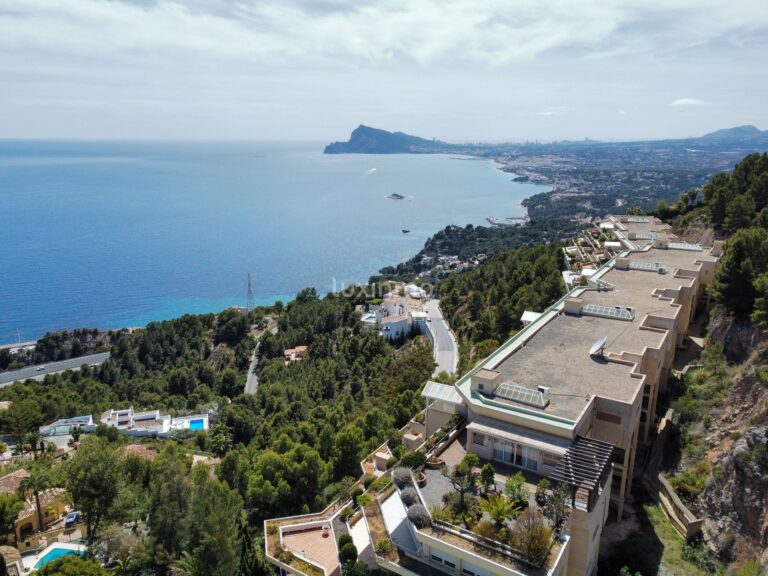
72 519
40 368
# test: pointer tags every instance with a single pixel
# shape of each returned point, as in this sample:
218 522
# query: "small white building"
393 327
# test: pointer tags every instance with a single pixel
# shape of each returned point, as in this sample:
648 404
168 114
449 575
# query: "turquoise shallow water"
112 234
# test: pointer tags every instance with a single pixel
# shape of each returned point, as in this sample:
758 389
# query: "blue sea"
113 234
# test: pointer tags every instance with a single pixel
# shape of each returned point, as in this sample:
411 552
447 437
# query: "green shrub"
363 500
347 553
690 483
344 539
697 554
379 484
384 547
413 460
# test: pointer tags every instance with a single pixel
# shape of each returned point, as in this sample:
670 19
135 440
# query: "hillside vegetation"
484 305
288 449
722 403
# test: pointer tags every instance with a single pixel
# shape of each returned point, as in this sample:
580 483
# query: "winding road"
446 348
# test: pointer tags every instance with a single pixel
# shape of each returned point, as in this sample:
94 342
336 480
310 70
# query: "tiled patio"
316 545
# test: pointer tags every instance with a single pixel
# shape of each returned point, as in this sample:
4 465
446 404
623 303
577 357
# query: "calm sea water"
112 234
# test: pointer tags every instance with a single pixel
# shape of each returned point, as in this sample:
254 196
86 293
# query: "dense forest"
484 305
736 206
289 448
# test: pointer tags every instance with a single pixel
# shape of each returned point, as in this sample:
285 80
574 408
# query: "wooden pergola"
584 468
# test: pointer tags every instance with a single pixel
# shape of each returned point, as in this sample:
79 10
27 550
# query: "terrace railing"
490 544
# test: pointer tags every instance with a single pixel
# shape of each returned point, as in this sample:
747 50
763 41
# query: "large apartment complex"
568 398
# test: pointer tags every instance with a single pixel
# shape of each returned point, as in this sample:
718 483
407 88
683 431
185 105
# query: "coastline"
136 308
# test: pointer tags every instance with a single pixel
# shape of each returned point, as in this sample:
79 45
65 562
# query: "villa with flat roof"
568 398
151 422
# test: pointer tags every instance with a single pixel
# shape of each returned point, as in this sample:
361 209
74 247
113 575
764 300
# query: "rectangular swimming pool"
196 424
55 553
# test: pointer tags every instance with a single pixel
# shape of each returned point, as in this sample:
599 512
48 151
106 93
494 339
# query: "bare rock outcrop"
735 500
739 337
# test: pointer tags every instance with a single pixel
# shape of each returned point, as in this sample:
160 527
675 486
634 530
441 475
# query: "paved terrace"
317 545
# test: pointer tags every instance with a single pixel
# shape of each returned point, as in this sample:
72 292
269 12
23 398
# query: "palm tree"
34 439
188 565
38 481
499 508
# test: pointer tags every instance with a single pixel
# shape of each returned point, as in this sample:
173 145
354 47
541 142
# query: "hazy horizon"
303 70
203 139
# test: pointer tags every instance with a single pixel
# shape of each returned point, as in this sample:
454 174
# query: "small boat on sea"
493 221
404 231
395 196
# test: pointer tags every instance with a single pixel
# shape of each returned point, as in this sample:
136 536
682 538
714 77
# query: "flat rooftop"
635 288
557 357
640 224
674 259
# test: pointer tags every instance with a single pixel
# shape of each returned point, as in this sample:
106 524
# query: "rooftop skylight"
648 266
613 312
527 396
685 246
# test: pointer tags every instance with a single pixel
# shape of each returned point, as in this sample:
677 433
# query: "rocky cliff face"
735 501
740 338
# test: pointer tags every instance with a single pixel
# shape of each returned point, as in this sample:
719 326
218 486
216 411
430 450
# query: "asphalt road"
252 381
446 349
8 378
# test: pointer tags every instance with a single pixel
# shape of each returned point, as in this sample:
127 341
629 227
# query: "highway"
446 349
8 378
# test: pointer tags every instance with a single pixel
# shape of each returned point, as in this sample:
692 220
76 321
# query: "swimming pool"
55 552
196 425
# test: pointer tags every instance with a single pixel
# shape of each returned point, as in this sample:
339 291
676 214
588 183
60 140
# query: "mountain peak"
367 140
746 131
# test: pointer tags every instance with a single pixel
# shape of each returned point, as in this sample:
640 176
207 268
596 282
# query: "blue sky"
458 70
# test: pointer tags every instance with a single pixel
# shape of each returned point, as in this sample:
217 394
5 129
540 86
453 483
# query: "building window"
437 559
550 459
606 417
481 387
449 564
516 454
468 572
478 439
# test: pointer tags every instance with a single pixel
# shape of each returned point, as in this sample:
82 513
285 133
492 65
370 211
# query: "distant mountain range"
367 140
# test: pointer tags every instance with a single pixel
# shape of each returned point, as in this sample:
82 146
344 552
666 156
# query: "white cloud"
687 102
270 66
283 32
